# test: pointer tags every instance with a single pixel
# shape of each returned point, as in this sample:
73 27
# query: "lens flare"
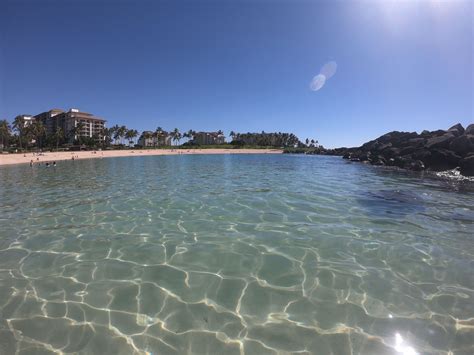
318 82
327 71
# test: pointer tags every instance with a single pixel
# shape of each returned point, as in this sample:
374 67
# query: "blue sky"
243 65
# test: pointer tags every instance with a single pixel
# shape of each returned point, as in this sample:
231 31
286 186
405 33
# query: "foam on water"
233 254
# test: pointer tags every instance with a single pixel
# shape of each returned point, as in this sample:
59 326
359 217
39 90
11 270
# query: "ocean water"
232 254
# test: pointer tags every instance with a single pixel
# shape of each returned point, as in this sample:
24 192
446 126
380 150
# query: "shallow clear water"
233 254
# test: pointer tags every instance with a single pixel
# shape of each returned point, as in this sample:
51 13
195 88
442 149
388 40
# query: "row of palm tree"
30 132
27 132
121 135
311 143
161 136
275 139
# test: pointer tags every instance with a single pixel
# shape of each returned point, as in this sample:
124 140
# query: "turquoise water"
229 254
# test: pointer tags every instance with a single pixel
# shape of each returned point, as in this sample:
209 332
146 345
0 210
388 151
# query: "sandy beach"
20 158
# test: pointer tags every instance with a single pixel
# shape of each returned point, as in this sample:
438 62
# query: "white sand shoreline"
21 158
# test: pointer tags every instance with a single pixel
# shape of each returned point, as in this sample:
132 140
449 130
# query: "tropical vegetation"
23 134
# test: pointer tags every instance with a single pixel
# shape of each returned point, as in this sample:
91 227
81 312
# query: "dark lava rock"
417 165
383 147
469 129
402 162
407 150
463 144
434 150
442 159
391 152
424 155
457 129
377 160
416 142
467 166
363 156
390 139
437 133
440 141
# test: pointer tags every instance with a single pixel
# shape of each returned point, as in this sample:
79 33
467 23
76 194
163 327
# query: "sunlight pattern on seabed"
233 254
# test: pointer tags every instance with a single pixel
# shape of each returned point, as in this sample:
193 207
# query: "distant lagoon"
254 254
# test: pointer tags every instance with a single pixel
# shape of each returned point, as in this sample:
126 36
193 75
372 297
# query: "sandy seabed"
20 158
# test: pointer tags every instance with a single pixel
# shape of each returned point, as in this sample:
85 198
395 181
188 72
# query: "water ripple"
233 254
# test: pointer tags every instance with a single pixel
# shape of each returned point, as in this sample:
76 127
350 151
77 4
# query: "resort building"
73 123
50 124
206 138
154 139
27 119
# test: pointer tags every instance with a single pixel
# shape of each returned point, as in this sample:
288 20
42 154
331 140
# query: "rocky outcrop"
436 150
467 165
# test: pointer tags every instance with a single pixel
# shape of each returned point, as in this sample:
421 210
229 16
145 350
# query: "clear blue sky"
243 65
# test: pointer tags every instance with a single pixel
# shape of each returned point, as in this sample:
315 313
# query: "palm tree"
146 136
77 130
176 135
121 133
59 135
113 133
5 130
38 131
106 136
159 134
116 133
130 135
19 126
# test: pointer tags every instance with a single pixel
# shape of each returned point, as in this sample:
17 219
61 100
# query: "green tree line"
26 135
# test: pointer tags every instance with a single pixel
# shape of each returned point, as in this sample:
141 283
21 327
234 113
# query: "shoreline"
26 158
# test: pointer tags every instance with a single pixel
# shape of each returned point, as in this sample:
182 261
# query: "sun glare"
396 14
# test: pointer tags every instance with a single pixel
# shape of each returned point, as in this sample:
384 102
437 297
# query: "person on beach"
31 162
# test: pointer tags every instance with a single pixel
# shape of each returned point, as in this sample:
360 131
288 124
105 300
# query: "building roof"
85 115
